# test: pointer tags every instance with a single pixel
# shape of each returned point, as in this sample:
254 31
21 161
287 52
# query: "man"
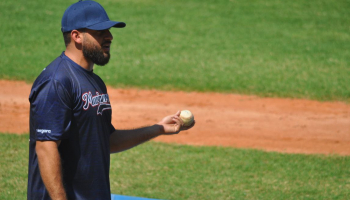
71 135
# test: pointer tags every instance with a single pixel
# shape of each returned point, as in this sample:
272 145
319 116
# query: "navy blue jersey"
71 104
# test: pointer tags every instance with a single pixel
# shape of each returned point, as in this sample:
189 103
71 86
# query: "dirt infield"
271 124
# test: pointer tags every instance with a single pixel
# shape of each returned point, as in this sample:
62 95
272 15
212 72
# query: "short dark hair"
67 38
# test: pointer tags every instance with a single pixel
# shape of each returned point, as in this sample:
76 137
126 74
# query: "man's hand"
173 124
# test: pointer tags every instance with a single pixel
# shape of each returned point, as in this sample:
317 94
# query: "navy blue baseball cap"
87 14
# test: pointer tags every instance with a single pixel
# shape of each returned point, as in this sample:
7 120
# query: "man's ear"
77 36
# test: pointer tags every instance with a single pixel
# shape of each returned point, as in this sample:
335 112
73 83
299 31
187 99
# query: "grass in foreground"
157 170
295 49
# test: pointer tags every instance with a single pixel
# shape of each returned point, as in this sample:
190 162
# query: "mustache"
106 43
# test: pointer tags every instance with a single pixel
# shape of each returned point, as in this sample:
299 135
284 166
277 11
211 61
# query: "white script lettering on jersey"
100 100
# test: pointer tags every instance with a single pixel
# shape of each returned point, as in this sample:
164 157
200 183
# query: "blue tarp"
122 197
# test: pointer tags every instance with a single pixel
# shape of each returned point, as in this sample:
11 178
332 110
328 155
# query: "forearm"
50 168
125 139
121 140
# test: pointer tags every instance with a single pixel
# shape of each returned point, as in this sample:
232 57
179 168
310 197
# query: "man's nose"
108 35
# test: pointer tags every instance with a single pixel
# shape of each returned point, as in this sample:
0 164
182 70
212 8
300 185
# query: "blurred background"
294 49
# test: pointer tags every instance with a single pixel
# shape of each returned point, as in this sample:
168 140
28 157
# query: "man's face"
96 46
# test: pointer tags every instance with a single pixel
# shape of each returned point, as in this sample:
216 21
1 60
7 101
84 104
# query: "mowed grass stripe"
295 49
170 171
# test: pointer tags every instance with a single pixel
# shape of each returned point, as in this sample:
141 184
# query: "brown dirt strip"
271 124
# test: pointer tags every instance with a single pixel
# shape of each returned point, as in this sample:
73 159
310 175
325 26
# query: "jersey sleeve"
51 113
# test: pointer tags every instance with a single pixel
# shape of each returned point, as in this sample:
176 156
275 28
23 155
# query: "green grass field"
296 49
164 171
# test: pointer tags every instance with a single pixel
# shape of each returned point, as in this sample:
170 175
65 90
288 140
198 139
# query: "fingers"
178 113
173 124
178 123
177 119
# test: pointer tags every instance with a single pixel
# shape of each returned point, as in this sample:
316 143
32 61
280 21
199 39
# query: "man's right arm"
50 168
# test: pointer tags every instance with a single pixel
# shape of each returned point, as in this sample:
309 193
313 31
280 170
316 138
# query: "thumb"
178 113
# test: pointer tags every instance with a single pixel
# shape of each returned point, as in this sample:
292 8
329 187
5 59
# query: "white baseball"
187 117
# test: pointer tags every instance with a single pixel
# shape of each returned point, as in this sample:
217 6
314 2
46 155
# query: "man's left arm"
121 140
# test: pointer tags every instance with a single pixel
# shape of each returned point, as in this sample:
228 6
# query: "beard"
95 53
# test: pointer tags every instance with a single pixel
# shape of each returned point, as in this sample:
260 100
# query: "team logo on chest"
100 100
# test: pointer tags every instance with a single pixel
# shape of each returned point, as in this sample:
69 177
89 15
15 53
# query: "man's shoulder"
57 70
56 73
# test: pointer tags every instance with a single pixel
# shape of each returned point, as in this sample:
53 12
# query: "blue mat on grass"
122 197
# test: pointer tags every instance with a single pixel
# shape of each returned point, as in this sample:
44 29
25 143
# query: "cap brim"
106 25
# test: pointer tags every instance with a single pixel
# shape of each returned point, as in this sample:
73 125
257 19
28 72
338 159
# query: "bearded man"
71 134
